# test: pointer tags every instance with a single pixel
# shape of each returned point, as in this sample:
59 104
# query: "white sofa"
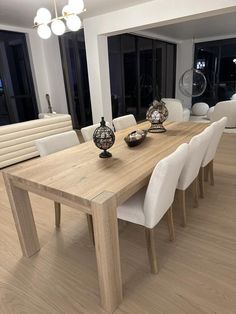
224 109
176 112
17 140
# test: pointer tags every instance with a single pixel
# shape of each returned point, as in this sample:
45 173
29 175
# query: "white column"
184 62
99 77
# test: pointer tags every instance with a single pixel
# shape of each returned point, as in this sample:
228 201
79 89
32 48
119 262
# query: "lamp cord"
55 8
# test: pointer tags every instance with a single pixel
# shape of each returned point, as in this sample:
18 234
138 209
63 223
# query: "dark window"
217 60
141 69
17 95
74 62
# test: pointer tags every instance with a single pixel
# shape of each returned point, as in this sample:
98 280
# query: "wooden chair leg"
206 173
57 207
211 173
90 227
170 223
183 206
201 182
195 192
151 249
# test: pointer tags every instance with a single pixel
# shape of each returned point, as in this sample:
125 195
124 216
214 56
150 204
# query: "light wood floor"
197 271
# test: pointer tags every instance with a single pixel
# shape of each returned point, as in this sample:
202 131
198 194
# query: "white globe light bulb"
43 16
58 27
44 31
36 20
73 23
77 6
67 10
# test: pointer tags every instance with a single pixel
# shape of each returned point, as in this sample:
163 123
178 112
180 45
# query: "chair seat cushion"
132 209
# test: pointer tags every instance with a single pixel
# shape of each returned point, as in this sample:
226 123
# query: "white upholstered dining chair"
176 111
124 122
207 163
150 204
88 131
189 175
224 109
52 144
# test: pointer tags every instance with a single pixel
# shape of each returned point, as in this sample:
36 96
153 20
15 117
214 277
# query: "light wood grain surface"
79 175
197 272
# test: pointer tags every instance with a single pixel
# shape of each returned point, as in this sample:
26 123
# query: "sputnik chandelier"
45 24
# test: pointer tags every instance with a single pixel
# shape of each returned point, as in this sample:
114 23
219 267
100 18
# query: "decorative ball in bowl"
135 138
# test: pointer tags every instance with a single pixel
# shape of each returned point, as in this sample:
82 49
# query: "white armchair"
224 109
176 110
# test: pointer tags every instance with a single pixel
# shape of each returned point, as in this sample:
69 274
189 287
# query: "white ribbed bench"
17 140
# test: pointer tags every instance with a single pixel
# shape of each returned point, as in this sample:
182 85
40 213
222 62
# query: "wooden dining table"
77 177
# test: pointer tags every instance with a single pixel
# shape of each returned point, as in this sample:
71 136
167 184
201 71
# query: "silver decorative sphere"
192 83
104 138
157 113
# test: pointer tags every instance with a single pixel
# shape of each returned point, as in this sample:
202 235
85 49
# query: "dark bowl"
131 139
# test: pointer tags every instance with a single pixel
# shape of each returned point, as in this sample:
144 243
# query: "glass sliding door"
17 95
207 61
141 69
116 68
76 78
146 76
130 60
217 60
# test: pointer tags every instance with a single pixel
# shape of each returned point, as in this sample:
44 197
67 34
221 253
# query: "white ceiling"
22 12
219 25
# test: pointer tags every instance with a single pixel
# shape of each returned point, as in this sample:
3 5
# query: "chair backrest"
88 131
175 109
162 185
52 144
197 150
225 109
124 122
218 128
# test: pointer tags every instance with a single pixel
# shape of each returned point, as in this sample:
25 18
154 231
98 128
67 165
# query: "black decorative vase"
157 114
104 138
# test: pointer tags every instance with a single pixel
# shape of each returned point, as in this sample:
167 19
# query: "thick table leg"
23 216
105 226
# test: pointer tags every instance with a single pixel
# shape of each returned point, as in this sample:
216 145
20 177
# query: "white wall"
46 69
184 62
143 16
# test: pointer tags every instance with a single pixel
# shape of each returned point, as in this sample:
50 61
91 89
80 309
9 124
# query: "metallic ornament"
104 138
157 114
